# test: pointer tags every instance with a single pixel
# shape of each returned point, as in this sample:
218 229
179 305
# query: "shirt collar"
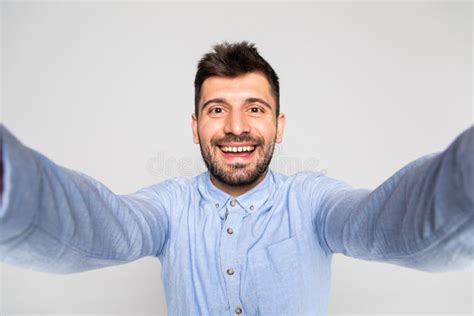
251 201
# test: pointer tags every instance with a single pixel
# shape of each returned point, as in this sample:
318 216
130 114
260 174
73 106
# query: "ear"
280 127
194 124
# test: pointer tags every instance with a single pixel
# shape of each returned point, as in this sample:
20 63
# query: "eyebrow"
248 100
217 100
258 100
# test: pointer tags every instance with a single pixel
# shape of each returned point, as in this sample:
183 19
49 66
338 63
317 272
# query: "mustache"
245 137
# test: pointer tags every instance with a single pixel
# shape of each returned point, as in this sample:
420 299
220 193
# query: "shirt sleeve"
422 217
57 220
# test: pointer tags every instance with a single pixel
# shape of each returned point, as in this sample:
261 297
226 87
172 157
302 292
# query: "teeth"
238 149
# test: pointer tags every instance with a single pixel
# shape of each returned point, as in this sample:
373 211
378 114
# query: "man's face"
237 127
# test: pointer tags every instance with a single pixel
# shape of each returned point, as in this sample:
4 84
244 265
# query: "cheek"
207 131
266 130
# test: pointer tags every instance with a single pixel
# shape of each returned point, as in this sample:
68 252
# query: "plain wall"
107 89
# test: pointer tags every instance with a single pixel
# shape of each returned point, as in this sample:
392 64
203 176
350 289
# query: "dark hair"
232 60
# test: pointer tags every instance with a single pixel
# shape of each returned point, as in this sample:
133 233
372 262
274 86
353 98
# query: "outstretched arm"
58 220
422 217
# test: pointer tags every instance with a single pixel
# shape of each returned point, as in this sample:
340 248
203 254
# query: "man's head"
233 60
236 120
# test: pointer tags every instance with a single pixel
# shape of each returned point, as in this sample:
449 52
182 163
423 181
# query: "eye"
256 109
216 110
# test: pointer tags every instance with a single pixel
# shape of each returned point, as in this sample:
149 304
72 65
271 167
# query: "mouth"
237 151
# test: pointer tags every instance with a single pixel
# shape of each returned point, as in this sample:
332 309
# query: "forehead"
237 89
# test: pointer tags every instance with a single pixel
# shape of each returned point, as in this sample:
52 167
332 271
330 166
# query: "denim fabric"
266 252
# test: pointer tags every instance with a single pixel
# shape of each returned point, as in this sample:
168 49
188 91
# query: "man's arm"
58 220
422 217
1 175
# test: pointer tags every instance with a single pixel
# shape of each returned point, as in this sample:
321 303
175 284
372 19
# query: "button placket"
230 261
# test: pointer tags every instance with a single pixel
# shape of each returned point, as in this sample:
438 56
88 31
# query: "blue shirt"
266 252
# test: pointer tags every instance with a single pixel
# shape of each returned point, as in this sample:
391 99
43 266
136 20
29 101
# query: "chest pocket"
276 274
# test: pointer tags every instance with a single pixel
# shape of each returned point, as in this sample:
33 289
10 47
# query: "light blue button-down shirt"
266 252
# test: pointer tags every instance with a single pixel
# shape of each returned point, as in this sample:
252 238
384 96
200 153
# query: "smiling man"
237 123
240 238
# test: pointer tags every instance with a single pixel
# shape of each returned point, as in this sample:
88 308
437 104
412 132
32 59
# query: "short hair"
232 60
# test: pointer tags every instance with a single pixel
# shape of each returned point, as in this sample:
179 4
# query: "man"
240 238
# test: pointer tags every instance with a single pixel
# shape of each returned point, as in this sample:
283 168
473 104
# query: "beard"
238 174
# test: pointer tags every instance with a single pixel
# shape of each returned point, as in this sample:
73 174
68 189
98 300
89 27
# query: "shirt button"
238 310
230 231
230 271
217 205
251 207
232 203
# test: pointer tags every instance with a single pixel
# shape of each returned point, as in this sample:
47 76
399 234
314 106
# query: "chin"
240 177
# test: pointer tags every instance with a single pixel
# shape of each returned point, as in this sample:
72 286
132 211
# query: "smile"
237 149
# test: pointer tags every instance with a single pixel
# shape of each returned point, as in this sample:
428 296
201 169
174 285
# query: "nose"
236 123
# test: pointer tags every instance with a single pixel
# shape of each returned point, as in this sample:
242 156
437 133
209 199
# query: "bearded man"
240 238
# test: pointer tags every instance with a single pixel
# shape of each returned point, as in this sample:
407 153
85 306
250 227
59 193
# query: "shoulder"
169 190
312 187
300 179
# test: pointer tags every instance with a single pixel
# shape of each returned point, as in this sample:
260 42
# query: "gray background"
106 88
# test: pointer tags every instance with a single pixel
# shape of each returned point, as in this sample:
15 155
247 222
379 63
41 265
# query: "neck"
236 191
